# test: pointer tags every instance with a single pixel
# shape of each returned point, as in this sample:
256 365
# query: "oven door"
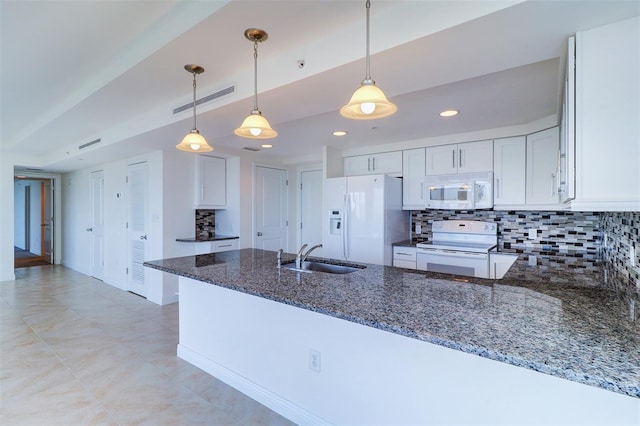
454 195
471 264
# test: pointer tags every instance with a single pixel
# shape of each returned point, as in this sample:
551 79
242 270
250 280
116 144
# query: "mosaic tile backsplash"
205 224
623 241
571 238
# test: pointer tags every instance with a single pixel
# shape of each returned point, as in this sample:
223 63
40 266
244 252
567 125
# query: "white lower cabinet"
404 257
499 264
206 247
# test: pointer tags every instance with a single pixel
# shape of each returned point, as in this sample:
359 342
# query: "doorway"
33 221
270 223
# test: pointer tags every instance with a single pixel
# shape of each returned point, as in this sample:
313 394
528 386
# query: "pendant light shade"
255 126
368 101
194 141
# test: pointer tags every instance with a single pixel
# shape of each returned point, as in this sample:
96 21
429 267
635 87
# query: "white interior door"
97 225
271 208
137 226
47 220
311 210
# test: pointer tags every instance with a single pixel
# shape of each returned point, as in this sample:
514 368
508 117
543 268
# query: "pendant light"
194 141
255 126
368 101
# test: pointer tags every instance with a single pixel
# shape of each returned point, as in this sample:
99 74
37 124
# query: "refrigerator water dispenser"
335 222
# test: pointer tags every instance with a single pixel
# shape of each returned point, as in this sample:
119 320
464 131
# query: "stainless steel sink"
330 268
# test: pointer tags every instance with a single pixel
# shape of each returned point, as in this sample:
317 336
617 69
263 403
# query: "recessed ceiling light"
340 133
266 145
449 113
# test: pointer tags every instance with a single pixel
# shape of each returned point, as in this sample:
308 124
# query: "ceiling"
113 70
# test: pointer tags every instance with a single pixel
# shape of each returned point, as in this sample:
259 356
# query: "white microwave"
460 191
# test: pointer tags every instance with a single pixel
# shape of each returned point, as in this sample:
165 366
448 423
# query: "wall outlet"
418 228
533 261
632 255
314 360
533 234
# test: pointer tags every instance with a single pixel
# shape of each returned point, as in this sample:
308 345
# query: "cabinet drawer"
404 254
225 245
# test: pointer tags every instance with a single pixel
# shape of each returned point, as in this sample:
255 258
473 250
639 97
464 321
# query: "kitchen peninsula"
388 345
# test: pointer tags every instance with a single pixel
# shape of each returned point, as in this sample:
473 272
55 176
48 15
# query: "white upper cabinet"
509 160
543 150
389 163
607 126
413 172
467 157
211 182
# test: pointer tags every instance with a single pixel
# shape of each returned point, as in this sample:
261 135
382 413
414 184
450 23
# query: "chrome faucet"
280 258
298 256
309 252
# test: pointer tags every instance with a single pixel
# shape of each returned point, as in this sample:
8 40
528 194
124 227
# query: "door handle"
259 234
143 237
89 229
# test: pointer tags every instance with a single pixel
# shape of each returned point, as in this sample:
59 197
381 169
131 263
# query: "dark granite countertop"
573 323
204 240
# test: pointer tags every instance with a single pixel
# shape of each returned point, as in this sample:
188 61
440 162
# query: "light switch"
533 234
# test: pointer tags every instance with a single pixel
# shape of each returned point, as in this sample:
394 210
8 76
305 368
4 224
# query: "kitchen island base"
369 376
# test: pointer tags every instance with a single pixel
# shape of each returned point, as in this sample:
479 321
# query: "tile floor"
76 351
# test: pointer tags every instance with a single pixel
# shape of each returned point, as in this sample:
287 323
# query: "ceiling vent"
217 95
252 149
88 144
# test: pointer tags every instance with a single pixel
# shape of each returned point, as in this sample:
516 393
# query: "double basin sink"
320 266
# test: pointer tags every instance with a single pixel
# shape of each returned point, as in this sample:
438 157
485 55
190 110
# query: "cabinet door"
357 165
389 163
509 159
542 167
475 157
211 186
441 160
413 172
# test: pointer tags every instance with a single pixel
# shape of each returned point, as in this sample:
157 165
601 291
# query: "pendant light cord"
255 75
368 76
194 101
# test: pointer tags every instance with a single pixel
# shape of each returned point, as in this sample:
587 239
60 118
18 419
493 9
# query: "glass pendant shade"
194 142
368 103
255 126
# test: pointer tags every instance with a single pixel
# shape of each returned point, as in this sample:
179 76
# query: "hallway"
77 351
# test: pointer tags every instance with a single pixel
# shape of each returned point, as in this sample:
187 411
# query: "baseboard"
267 398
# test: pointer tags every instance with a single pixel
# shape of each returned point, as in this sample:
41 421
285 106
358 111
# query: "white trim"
267 398
299 171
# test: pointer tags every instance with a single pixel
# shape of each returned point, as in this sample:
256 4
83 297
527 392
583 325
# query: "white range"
458 247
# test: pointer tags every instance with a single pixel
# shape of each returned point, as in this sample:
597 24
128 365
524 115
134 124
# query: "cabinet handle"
403 254
224 245
259 234
89 229
553 184
422 190
369 164
460 158
495 270
201 192
373 160
453 159
498 192
143 237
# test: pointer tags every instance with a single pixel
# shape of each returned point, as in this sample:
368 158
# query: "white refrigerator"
363 217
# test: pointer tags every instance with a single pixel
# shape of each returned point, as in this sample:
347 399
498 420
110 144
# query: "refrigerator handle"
345 225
